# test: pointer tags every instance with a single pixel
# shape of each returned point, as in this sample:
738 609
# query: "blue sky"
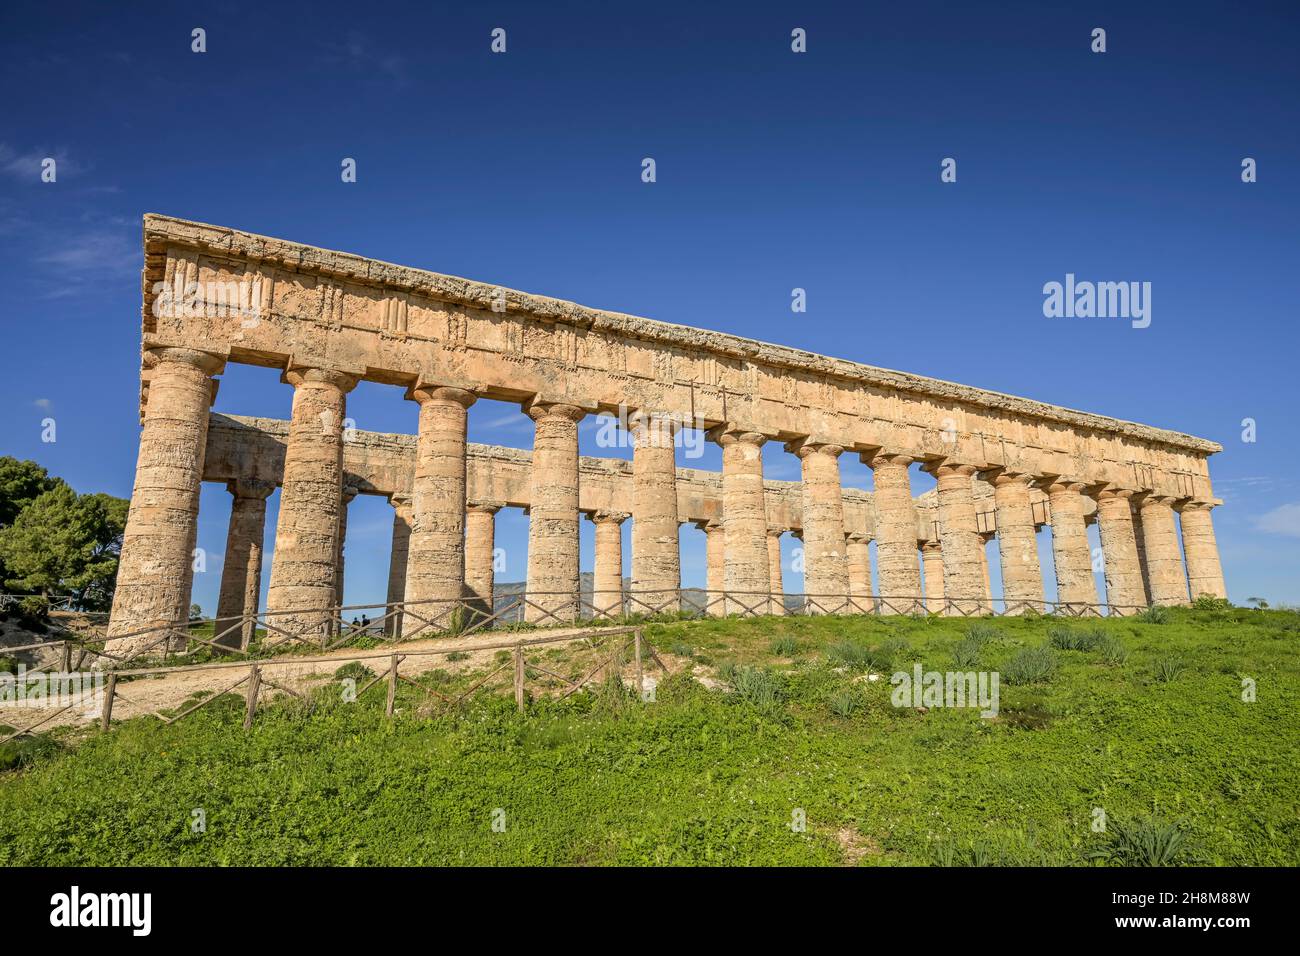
775 171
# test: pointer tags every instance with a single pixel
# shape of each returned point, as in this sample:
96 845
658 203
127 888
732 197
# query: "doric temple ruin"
1004 466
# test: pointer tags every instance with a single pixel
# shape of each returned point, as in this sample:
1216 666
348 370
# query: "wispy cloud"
44 404
361 54
27 165
1284 519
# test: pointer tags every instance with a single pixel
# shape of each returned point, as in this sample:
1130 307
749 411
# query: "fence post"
392 687
254 685
640 672
107 716
67 656
519 676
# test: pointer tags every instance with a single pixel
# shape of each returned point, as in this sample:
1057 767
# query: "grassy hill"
1145 722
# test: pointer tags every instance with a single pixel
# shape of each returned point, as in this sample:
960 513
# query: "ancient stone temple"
1004 467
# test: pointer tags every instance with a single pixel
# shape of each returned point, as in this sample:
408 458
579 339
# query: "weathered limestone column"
896 562
1022 575
1164 559
932 557
155 570
744 518
1076 589
480 546
1204 572
1136 514
607 581
826 570
553 515
963 574
858 547
397 562
349 495
715 557
241 570
435 570
1124 589
984 566
656 556
311 494
777 604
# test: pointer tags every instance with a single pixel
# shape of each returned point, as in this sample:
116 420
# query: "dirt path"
147 695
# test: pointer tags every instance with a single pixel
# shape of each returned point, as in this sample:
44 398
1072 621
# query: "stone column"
1125 593
1022 575
241 570
1076 589
553 515
932 556
1204 572
897 568
480 547
656 557
715 551
744 517
397 562
607 581
435 570
963 574
311 494
156 565
1164 559
826 570
777 604
984 566
1136 513
858 547
349 495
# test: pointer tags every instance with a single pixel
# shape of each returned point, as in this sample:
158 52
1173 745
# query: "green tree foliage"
60 542
21 483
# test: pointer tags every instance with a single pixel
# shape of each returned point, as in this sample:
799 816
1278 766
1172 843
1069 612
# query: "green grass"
1183 768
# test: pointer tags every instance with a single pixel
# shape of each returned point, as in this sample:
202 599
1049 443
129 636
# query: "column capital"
1150 498
539 410
1113 494
661 424
931 547
349 492
296 375
427 392
1058 485
881 456
250 488
857 537
1206 506
209 363
1000 477
402 503
484 507
945 469
730 433
608 517
709 525
775 532
811 445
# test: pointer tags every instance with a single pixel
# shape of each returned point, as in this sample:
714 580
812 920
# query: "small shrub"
1075 639
682 650
1032 665
855 656
458 656
1168 669
1155 614
1147 842
26 750
785 646
1208 602
355 670
981 632
756 686
966 655
1113 651
8 665
845 703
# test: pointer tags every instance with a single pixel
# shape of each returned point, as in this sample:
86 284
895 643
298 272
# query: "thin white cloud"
28 165
1284 519
43 403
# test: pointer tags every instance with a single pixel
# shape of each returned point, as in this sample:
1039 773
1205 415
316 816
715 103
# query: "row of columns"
442 550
